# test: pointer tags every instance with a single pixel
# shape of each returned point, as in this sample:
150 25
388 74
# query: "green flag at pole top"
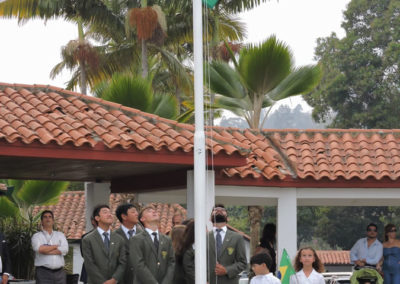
210 3
285 268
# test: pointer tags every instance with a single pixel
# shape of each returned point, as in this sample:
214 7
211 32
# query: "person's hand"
378 266
359 263
3 186
5 279
111 281
220 270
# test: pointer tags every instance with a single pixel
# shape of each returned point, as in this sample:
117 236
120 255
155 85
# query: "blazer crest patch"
164 254
230 250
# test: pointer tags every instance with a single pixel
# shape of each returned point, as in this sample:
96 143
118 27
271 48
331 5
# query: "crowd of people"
137 253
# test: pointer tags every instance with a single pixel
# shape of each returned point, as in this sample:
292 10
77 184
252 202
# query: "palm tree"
23 195
264 75
137 92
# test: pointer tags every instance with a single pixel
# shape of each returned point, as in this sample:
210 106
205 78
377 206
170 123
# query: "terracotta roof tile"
52 115
334 257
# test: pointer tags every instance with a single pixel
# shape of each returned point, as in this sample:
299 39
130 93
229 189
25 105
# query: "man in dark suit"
5 264
151 253
226 250
128 216
83 277
104 251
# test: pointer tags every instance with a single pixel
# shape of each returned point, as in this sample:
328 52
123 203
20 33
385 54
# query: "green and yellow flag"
285 268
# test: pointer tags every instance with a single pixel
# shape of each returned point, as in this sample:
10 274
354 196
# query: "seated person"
367 252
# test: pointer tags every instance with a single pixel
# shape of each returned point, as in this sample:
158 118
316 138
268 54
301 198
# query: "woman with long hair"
185 253
268 241
391 256
177 237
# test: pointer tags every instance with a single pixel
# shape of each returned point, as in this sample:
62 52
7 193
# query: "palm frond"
41 192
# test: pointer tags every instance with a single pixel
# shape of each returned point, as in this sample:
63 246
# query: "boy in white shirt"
261 264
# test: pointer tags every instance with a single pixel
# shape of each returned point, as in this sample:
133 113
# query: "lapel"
100 242
121 233
226 241
151 243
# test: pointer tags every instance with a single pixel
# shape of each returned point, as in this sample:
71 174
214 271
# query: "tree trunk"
255 215
83 77
145 66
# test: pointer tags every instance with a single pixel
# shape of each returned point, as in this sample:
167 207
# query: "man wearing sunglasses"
367 252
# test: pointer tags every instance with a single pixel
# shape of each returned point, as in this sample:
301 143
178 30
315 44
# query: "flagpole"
199 150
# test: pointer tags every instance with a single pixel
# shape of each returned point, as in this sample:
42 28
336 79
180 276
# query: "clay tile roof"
52 115
334 257
46 114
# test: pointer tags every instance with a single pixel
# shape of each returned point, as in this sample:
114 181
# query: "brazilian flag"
285 268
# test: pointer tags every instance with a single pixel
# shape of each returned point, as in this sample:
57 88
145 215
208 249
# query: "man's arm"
240 263
92 270
169 276
137 257
120 271
354 252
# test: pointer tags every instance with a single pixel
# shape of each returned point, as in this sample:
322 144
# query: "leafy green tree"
23 195
264 74
360 87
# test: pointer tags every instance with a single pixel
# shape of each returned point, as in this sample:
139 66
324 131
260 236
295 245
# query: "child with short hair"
261 264
308 268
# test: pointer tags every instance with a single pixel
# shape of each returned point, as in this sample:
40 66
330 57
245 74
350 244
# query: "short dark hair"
44 212
123 209
261 258
96 211
372 225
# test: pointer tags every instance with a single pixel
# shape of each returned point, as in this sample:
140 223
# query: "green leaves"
40 192
263 75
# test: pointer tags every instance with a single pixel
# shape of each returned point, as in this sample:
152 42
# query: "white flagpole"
199 150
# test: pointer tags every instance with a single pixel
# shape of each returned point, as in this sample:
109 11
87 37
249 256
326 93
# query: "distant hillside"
283 117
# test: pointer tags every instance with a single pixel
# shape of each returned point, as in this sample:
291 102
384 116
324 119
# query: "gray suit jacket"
129 270
151 266
101 265
232 257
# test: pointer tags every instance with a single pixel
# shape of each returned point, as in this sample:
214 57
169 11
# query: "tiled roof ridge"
116 106
285 159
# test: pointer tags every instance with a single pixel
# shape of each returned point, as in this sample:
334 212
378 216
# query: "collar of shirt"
222 233
150 232
101 231
125 229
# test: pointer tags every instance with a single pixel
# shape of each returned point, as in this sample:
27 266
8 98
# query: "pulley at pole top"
210 3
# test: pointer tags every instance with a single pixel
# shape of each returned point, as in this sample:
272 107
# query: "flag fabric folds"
285 268
210 3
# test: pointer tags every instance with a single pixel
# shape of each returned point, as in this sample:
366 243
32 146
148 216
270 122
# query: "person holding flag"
308 268
285 268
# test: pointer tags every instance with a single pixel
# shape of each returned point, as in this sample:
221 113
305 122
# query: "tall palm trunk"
82 67
145 65
255 215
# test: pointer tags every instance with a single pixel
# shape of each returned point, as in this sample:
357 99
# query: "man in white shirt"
50 247
367 251
128 216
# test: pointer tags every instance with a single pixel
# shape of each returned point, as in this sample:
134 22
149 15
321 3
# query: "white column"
287 222
95 194
210 194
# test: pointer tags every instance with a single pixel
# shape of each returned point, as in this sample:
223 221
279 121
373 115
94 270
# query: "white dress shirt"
265 279
101 231
125 229
151 234
44 238
301 278
222 233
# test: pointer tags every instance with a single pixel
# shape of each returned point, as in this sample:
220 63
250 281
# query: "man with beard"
367 252
226 250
